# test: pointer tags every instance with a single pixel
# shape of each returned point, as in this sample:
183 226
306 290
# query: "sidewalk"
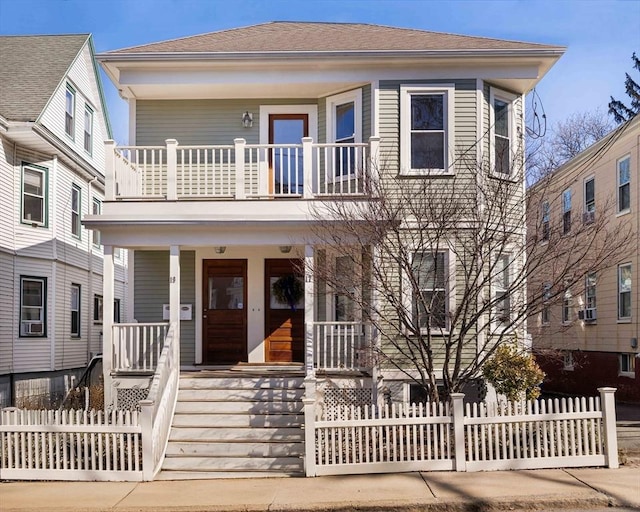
438 491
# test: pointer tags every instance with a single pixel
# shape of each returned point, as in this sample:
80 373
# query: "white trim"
406 91
630 374
510 99
310 110
618 162
375 108
354 96
132 121
584 192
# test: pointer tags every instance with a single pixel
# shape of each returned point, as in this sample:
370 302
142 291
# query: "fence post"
146 425
172 169
607 398
309 402
240 167
457 413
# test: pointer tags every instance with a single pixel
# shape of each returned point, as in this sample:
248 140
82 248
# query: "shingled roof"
31 67
284 36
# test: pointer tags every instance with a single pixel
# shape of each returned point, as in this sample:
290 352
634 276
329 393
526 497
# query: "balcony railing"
137 346
241 171
340 346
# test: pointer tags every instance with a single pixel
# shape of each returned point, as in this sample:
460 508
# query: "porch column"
309 307
174 289
107 322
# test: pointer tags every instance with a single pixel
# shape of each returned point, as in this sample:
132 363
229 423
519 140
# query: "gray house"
241 144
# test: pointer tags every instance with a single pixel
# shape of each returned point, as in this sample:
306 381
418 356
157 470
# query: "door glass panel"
287 162
274 303
226 292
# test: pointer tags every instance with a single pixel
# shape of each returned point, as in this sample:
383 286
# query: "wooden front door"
285 166
284 325
224 316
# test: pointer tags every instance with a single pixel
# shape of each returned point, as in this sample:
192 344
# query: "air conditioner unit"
33 328
588 314
588 217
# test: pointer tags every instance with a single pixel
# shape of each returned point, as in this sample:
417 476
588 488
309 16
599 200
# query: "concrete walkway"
577 489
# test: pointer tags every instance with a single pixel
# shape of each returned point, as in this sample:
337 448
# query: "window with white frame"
34 195
546 219
502 133
567 302
589 201
501 296
70 111
344 113
426 125
343 304
33 311
75 310
627 365
430 294
545 313
590 291
566 211
624 291
96 209
76 202
88 129
624 184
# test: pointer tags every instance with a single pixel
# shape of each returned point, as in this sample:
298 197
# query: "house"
240 143
593 322
53 125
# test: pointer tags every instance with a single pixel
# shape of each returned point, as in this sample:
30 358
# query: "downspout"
90 267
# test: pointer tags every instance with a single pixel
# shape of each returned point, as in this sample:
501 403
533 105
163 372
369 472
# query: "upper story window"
34 195
567 302
88 129
426 129
590 291
75 310
76 203
501 282
502 133
70 111
624 291
624 187
33 300
344 113
589 201
430 296
566 211
545 313
96 209
546 219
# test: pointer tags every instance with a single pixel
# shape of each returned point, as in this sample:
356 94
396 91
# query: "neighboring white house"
237 140
53 124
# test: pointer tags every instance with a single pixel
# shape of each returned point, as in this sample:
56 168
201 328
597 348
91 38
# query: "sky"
600 35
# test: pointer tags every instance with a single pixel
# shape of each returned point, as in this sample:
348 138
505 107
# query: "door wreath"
288 289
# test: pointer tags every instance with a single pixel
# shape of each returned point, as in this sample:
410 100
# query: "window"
624 291
567 300
589 201
343 305
567 360
502 130
97 309
426 121
429 301
88 129
76 203
501 298
75 310
624 187
343 127
627 365
566 211
546 214
34 195
96 210
33 300
590 291
70 110
545 314
116 311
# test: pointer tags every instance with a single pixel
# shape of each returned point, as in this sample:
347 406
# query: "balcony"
240 171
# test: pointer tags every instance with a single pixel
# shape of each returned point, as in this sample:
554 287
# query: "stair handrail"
156 412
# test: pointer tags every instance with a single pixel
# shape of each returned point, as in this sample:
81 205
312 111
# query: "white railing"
526 435
341 346
156 412
70 445
240 171
137 346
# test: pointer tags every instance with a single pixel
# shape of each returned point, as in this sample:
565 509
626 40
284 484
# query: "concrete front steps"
236 427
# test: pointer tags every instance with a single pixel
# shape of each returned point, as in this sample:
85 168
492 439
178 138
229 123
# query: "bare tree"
443 263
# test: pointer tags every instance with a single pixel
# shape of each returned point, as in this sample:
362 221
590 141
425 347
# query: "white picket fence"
568 432
70 445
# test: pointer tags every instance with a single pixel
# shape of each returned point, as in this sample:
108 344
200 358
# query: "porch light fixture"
285 249
220 249
247 119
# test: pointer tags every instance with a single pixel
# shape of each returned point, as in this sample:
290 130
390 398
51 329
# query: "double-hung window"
627 365
501 297
33 300
545 314
96 209
589 201
502 133
426 124
624 184
34 195
75 310
343 127
88 129
76 202
429 297
624 291
70 111
590 291
546 221
567 302
566 211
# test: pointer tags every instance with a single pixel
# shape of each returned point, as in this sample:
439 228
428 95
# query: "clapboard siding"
8 324
152 291
201 122
366 112
8 185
